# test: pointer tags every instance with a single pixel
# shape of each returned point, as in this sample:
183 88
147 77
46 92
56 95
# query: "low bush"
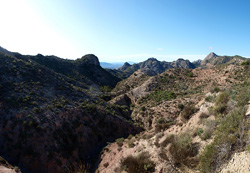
190 74
160 95
220 106
209 98
216 90
210 126
245 63
199 131
181 106
138 164
244 97
182 148
228 137
119 142
163 124
223 98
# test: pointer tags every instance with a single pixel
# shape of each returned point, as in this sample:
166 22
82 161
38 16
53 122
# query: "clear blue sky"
126 30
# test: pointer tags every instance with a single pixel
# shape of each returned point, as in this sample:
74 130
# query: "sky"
126 30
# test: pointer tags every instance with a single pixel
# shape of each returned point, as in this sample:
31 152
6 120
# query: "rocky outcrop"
89 59
239 163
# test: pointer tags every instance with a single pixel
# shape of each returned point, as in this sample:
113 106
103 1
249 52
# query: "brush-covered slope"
194 120
86 69
50 122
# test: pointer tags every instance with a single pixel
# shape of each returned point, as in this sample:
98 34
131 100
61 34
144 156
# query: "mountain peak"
125 66
151 59
90 59
211 55
208 57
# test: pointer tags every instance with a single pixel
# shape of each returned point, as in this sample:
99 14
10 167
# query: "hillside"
51 122
195 121
86 69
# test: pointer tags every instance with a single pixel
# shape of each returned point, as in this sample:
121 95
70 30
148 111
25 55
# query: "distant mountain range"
153 67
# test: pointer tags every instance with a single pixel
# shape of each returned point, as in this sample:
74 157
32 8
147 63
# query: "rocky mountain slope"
194 121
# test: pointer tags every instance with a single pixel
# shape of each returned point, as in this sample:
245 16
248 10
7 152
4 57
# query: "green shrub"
119 142
182 148
220 106
209 98
138 164
245 63
216 89
219 109
227 134
191 74
223 98
181 106
206 134
206 158
131 143
105 89
244 97
199 131
160 95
